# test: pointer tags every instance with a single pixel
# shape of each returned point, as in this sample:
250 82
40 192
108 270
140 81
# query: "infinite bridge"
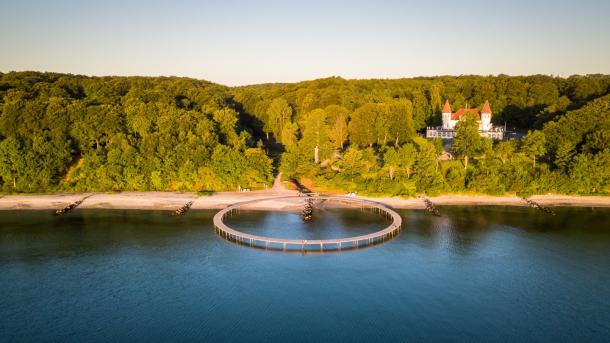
303 244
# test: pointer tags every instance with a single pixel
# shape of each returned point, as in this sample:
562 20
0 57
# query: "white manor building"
447 131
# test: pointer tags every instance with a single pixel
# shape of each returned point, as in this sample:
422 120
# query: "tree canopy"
61 132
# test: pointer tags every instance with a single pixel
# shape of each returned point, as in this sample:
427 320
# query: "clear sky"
245 42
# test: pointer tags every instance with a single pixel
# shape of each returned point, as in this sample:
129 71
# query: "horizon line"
303 80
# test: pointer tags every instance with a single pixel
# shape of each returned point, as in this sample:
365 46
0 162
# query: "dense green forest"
62 132
74 133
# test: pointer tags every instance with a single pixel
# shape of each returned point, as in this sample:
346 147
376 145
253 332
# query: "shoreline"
172 200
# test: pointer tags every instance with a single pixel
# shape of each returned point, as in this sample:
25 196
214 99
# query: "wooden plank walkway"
334 244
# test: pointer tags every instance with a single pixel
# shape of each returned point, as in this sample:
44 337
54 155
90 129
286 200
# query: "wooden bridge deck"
337 243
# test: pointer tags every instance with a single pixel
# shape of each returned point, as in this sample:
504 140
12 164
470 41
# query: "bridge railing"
336 243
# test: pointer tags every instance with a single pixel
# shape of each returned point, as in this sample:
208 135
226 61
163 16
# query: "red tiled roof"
462 111
446 108
486 108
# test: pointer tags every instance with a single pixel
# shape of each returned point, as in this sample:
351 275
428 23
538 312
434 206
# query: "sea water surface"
473 274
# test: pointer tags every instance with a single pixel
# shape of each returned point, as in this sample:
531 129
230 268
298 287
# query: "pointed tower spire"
447 107
486 108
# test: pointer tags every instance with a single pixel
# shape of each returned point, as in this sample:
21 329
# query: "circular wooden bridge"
317 244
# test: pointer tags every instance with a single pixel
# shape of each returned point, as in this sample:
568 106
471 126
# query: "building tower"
446 116
486 117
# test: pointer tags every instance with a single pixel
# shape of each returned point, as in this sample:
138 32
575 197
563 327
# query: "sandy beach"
172 201
545 200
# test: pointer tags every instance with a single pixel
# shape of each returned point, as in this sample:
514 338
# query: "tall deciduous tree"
351 164
289 136
534 145
400 121
316 135
337 117
12 163
279 114
399 161
226 118
467 142
504 150
362 126
391 162
407 155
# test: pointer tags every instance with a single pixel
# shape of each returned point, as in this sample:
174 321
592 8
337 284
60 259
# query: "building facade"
450 119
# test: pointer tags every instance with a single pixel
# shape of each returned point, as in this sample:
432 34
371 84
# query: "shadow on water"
463 228
41 234
460 228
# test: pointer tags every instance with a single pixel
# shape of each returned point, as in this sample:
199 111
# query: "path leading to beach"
278 187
